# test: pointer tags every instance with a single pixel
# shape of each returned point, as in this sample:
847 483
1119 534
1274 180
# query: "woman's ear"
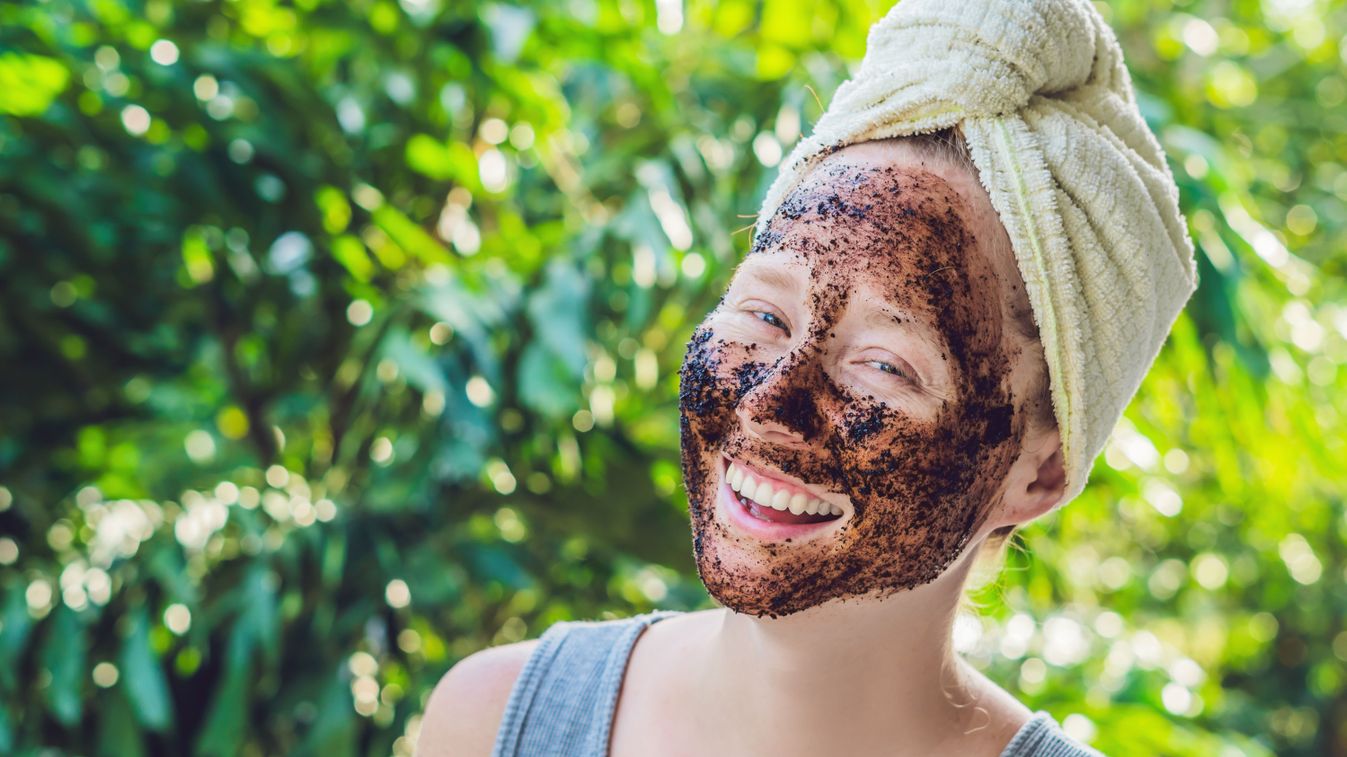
1049 484
1037 480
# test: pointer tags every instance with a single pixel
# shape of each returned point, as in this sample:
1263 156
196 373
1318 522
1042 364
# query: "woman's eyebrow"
888 317
773 276
884 317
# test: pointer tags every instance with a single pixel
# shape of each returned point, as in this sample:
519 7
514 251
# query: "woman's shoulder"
1011 729
466 707
1018 731
1042 736
993 715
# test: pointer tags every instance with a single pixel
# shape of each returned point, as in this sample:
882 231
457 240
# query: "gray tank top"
566 695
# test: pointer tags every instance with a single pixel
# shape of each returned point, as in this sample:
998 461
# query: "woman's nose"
780 407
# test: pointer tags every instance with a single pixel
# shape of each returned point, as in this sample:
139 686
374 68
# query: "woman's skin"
863 352
858 353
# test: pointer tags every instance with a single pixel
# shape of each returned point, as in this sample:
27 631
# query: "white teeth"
764 493
782 499
750 490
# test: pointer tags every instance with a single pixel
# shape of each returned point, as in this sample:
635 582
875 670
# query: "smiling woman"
862 414
914 460
917 356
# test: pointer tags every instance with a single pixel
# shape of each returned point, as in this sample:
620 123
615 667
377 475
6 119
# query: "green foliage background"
339 341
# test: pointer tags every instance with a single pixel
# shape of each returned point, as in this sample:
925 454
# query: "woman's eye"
892 369
771 319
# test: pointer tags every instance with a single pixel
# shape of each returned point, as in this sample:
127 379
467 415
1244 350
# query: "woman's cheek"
708 389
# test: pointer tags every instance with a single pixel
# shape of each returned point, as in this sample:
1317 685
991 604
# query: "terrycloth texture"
1045 103
565 698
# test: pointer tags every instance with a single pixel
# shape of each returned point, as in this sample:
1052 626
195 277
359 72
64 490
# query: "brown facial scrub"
859 354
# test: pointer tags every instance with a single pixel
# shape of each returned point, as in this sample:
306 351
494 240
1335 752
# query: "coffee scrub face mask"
858 356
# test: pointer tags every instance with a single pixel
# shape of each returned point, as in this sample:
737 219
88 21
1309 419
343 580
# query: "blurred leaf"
257 625
432 158
63 659
224 730
334 731
557 310
410 237
351 254
6 731
143 680
413 363
118 735
15 626
546 383
29 83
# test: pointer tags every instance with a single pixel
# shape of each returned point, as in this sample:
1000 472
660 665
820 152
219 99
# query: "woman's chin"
759 578
748 589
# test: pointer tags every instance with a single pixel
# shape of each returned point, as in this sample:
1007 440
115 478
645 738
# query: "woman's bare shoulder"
466 707
995 717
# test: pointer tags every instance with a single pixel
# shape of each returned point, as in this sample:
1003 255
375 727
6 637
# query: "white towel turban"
1046 106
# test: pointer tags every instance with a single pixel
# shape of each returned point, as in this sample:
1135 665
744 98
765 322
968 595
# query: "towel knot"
922 57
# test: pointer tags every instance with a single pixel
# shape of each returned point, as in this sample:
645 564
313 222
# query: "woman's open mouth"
770 507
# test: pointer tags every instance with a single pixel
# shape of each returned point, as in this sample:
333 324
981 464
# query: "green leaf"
419 368
63 659
6 732
546 384
495 563
335 209
14 634
443 162
259 623
411 237
226 724
557 311
143 678
197 260
350 252
118 735
29 83
334 731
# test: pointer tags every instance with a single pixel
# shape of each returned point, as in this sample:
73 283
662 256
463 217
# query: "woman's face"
858 357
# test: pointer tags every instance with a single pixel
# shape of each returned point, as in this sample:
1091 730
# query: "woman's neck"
843 677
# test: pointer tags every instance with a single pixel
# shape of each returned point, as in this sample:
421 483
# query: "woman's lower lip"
766 530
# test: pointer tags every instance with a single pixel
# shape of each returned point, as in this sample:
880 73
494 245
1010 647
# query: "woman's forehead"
882 208
869 289
851 218
871 206
861 164
876 230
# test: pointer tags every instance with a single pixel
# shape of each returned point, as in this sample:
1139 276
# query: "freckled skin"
920 485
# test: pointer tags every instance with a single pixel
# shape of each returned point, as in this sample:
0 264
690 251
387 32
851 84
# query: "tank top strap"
1042 736
566 694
